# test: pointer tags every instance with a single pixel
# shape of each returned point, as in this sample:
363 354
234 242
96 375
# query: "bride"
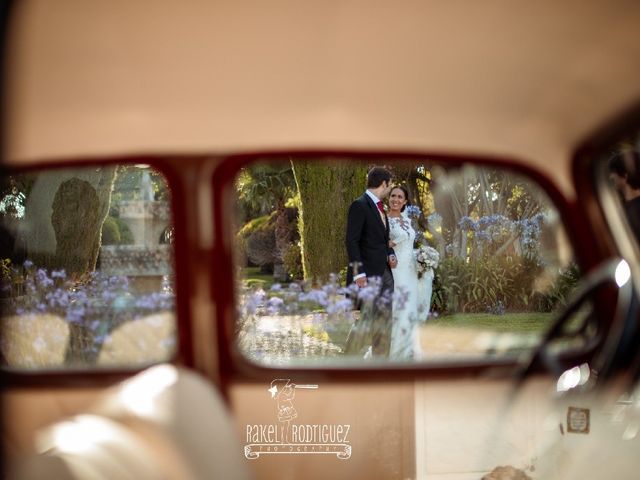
410 302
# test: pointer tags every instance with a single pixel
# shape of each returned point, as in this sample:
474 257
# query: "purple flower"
316 296
341 306
76 314
59 274
368 294
253 302
43 279
27 264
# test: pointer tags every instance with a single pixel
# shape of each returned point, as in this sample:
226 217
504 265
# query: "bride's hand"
392 244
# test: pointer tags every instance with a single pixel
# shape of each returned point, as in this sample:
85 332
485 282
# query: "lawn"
529 322
252 277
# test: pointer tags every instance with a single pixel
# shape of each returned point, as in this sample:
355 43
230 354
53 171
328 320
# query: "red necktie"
380 207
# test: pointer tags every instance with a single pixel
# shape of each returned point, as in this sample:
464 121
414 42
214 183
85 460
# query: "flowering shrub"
494 266
291 321
92 308
490 233
498 285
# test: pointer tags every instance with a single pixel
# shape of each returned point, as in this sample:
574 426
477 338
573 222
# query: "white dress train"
408 292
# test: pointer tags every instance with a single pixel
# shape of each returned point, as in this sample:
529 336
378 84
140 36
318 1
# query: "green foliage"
256 240
110 232
116 232
126 236
253 225
252 277
561 290
127 185
263 188
316 332
497 285
5 269
293 261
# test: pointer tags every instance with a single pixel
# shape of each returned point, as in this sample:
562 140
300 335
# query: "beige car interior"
524 81
163 423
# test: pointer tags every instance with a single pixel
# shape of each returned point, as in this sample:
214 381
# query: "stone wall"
136 260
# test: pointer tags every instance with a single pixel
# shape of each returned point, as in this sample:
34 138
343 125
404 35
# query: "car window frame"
598 200
235 365
104 376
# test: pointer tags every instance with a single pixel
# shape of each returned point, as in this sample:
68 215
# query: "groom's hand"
393 261
361 282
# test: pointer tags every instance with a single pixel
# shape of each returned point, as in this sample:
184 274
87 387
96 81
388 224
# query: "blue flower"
413 211
467 223
482 236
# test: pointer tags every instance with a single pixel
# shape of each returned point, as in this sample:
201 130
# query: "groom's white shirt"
375 202
372 197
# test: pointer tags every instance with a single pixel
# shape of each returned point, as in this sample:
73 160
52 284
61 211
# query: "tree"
64 212
263 189
326 191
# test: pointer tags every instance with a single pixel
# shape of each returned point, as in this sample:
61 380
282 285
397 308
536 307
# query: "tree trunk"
64 214
326 192
38 234
283 240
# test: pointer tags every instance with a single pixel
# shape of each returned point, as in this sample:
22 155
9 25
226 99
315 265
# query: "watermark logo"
288 437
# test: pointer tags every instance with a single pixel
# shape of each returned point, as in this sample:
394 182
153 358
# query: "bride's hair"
406 195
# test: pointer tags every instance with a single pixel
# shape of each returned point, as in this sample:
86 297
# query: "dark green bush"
561 290
110 232
126 236
257 241
116 232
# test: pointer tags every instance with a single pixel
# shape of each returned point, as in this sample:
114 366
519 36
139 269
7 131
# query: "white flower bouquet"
426 257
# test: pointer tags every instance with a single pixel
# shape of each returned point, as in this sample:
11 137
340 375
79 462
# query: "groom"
369 252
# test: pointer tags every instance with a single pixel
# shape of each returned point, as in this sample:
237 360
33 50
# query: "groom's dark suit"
368 249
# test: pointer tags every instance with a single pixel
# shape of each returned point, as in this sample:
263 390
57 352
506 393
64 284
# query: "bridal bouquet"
426 257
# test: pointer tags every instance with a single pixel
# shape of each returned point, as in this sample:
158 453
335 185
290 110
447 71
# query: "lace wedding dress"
408 292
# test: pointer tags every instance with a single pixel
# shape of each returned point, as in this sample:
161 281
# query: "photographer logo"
289 438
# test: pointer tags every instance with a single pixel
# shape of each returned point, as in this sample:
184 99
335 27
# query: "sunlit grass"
253 277
40 341
150 339
34 341
529 322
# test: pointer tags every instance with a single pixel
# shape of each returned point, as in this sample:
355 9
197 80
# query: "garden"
504 269
85 268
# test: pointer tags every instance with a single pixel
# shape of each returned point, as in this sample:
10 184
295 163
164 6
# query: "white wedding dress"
409 292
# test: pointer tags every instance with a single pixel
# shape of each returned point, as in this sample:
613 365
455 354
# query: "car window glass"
86 267
482 262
